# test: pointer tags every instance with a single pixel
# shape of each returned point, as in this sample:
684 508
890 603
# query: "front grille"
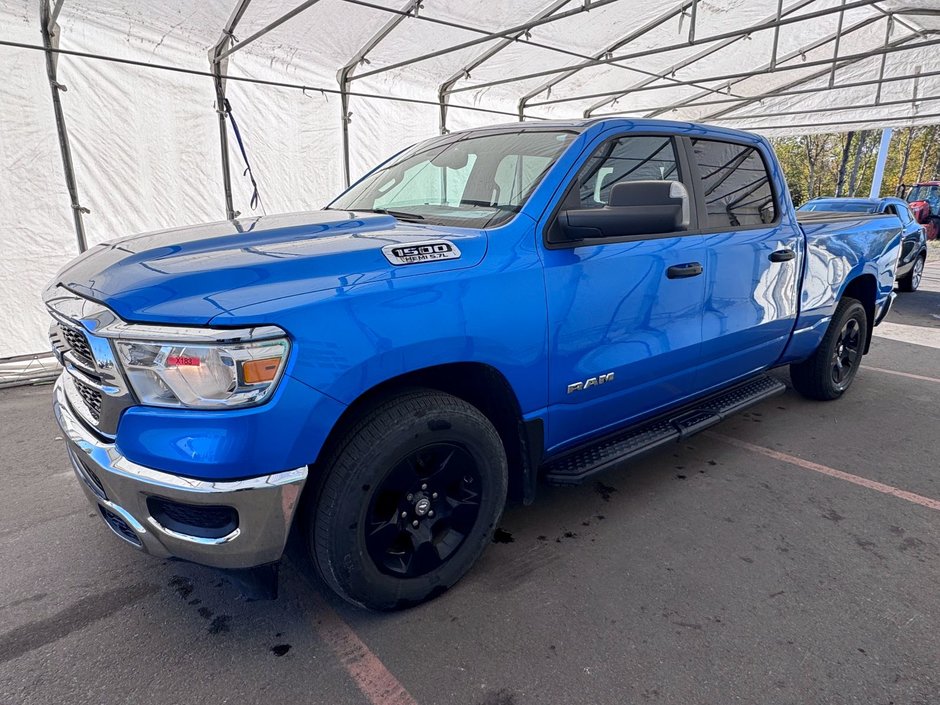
91 397
202 520
119 526
77 341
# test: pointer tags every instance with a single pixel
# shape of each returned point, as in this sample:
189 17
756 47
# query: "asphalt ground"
791 556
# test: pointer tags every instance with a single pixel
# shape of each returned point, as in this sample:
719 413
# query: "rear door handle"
784 255
681 271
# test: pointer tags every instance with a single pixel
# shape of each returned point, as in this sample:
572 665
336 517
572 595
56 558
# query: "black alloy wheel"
406 500
846 354
829 371
423 510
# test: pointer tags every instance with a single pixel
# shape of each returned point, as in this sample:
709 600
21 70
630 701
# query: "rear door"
624 316
753 252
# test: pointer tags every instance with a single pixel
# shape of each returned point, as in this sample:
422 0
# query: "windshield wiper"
401 215
497 206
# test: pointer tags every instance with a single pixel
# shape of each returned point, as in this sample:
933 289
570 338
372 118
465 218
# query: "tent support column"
218 64
880 164
50 41
345 75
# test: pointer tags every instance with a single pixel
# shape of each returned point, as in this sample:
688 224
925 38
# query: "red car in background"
924 200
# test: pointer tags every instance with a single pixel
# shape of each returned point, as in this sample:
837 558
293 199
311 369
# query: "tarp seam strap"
255 196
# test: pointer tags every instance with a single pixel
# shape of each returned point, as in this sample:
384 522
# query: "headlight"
203 376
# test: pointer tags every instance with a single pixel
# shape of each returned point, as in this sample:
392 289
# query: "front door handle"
784 255
681 271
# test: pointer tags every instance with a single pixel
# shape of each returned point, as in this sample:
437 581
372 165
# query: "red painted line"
831 472
901 374
365 668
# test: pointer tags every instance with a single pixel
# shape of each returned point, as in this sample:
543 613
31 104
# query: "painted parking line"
367 671
901 374
831 472
918 335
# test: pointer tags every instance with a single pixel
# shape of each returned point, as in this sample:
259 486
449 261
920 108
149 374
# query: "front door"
624 314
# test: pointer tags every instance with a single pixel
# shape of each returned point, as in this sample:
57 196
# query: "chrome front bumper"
120 488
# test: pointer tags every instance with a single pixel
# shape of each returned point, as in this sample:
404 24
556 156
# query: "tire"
935 222
911 281
829 372
426 454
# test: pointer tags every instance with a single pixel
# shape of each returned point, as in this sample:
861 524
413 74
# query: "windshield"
476 182
931 194
839 207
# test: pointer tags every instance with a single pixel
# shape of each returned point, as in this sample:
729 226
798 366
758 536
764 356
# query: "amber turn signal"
255 371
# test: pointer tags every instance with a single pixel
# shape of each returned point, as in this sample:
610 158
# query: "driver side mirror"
634 208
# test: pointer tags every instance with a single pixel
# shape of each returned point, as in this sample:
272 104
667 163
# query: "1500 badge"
418 252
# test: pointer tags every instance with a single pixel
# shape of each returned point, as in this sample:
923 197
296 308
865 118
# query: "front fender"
347 341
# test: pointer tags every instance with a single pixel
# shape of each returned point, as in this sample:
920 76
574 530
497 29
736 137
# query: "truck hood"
190 275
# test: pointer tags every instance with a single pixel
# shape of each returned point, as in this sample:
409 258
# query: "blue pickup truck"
484 311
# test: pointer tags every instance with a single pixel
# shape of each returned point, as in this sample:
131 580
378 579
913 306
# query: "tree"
843 163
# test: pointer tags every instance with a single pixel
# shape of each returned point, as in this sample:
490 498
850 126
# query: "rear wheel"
830 370
911 280
409 501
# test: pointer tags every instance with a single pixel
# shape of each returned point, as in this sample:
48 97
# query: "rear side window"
736 184
636 158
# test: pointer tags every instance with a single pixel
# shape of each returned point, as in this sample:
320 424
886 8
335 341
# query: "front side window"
637 158
476 182
736 184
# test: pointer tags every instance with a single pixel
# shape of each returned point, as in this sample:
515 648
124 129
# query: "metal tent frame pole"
789 93
50 42
828 109
443 90
894 48
774 65
808 16
688 61
218 65
897 45
225 53
645 29
344 75
520 29
873 123
526 38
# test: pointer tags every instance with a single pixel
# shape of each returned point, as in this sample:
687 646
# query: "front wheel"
409 501
832 367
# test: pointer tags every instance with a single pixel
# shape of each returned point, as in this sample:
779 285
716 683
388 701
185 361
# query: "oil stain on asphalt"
502 536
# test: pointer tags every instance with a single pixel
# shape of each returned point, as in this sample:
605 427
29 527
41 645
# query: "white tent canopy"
323 89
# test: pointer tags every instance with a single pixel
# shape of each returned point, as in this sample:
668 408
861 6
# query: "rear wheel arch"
864 289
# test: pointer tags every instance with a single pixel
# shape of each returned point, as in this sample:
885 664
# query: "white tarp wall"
145 140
